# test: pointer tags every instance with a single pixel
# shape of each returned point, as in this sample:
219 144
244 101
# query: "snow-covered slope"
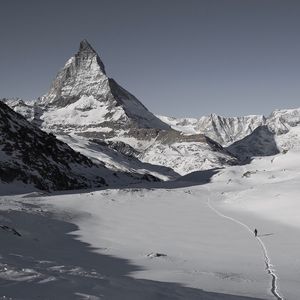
200 236
117 156
186 154
289 141
147 243
281 121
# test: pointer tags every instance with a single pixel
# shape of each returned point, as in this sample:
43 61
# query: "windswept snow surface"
201 249
199 235
47 262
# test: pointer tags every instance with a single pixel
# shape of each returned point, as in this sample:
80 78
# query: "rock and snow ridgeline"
228 130
84 105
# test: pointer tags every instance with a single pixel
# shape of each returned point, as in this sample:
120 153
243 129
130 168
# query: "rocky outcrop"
34 157
261 142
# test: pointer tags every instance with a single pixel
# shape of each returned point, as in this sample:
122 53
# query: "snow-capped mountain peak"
87 52
83 97
83 74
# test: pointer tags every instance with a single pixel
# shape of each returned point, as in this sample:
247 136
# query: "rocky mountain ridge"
228 130
83 101
34 157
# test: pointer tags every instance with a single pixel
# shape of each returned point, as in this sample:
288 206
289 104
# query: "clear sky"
179 57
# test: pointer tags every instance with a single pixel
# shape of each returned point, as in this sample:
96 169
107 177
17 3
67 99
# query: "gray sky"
179 57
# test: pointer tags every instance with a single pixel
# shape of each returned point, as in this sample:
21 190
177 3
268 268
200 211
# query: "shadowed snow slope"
266 141
47 262
261 142
176 234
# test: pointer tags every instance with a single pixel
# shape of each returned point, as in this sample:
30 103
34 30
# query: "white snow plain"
186 238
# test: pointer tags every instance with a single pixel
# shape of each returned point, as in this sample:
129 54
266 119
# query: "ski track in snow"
274 287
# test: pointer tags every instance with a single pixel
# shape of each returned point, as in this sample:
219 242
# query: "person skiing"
255 232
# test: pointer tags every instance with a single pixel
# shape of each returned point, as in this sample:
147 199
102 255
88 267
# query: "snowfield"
172 214
161 241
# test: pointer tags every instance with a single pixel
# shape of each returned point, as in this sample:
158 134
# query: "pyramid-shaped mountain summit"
83 97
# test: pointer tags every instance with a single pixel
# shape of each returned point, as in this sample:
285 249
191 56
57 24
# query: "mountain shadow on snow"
51 263
261 142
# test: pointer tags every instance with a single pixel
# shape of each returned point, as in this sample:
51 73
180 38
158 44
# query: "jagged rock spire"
85 46
81 75
83 89
87 52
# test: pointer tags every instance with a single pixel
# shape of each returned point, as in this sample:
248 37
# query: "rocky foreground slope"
33 157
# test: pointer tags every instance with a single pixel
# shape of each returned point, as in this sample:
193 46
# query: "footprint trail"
271 272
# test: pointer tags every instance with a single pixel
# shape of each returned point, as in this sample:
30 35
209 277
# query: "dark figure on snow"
255 232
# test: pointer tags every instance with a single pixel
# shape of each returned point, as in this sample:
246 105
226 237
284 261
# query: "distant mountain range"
227 130
115 132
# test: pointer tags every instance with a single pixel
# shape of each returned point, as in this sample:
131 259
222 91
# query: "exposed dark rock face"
119 146
32 156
